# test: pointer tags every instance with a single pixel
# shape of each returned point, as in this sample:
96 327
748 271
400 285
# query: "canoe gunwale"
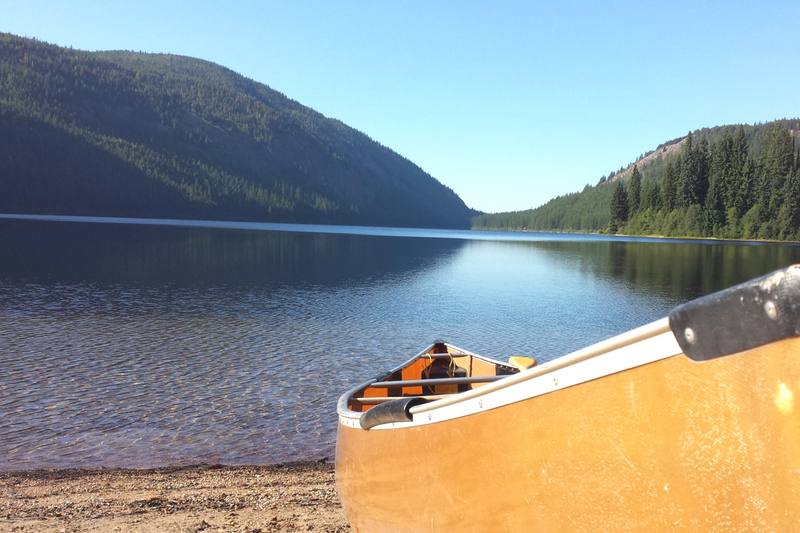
620 341
341 406
648 331
754 313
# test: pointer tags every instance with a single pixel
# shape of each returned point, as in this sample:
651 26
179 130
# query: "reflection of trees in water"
690 270
678 271
143 254
48 252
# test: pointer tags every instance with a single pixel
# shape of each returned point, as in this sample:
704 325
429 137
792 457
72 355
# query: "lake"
148 343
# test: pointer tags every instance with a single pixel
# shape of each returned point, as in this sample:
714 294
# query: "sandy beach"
297 496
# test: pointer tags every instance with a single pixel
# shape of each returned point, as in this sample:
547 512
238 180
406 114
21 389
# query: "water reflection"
156 255
144 345
680 271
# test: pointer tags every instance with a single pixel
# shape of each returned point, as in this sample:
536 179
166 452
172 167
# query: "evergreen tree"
688 190
789 215
635 194
746 195
619 208
703 168
738 193
722 169
714 210
669 189
694 172
776 164
677 170
726 181
651 196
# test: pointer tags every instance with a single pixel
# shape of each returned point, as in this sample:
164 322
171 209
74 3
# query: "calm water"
145 345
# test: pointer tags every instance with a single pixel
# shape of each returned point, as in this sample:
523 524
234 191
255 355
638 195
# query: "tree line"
727 182
719 191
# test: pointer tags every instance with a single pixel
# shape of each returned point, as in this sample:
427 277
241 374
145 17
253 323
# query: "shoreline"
296 496
648 236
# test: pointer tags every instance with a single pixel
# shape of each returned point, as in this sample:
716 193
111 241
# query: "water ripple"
149 346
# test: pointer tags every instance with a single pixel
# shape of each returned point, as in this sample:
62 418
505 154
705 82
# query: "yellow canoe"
690 423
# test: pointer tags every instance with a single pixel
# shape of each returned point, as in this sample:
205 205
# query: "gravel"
298 496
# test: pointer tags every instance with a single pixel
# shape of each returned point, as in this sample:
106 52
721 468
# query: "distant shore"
297 496
633 235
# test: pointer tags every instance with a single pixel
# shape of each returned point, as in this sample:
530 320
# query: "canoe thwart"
374 400
435 381
745 316
387 412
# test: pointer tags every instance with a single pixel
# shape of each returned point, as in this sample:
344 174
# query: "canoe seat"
522 363
442 369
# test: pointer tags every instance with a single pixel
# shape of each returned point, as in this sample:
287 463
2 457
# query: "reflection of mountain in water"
57 252
155 255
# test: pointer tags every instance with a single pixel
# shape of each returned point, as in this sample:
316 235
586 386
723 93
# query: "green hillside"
150 135
737 182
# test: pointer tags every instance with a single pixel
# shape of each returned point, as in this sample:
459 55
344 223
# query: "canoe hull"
670 445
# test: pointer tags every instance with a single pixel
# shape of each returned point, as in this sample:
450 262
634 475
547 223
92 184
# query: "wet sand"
266 498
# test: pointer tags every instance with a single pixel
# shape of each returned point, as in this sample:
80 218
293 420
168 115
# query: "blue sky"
508 103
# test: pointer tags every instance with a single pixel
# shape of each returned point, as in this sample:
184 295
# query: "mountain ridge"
158 135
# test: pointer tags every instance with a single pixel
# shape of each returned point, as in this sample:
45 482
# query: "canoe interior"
691 423
440 361
673 446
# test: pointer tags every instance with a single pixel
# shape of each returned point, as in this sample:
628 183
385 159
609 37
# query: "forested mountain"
150 135
735 182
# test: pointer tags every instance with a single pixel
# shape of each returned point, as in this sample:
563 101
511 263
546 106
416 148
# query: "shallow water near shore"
131 344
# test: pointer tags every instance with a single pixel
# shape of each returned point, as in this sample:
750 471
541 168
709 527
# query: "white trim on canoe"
341 406
634 348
